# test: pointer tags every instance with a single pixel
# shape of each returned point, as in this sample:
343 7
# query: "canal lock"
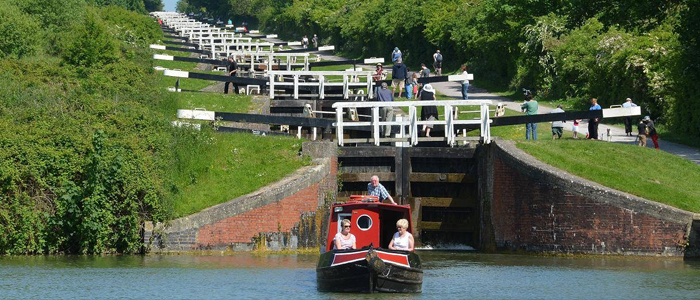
440 184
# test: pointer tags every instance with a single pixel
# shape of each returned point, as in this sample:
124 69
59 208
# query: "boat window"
342 217
364 222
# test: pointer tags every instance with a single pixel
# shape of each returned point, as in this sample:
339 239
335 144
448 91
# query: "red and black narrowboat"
372 267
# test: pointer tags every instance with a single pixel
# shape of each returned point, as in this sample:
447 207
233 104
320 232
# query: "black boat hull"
370 274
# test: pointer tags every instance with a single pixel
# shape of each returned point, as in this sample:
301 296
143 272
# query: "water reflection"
448 275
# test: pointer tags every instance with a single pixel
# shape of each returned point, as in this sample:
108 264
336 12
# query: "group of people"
645 127
305 41
402 239
403 78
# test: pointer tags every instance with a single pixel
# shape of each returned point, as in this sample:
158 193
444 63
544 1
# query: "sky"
169 5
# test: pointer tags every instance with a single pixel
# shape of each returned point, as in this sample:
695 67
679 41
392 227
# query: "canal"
448 275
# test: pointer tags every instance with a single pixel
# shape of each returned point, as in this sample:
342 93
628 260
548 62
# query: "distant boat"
370 268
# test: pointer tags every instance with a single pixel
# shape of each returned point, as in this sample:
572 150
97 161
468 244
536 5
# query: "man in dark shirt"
232 70
399 73
642 134
386 113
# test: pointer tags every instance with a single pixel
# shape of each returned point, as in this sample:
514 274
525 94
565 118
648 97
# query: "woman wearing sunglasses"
344 239
403 240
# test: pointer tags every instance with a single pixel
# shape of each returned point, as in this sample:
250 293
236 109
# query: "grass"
219 167
236 164
647 173
214 102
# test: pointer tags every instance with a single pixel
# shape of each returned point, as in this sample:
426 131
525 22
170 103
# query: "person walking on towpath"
652 131
374 188
386 113
305 42
465 84
530 107
593 123
398 76
232 70
642 132
396 54
628 120
557 126
314 40
437 63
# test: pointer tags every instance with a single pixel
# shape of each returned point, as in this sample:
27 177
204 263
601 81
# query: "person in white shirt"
403 240
344 239
465 84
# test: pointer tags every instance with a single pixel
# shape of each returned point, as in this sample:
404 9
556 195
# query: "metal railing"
412 122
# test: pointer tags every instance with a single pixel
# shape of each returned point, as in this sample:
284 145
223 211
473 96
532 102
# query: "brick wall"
281 216
271 215
535 207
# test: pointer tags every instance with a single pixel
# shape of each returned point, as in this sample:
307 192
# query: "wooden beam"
442 152
365 177
367 152
571 115
446 202
442 177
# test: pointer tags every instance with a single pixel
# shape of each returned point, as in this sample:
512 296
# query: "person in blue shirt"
593 123
396 54
374 188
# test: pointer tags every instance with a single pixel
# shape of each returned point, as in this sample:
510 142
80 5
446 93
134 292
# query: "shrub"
19 33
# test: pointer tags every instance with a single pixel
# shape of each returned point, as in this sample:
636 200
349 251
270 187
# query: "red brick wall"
533 214
280 216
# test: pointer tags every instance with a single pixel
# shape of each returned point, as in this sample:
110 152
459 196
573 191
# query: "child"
575 128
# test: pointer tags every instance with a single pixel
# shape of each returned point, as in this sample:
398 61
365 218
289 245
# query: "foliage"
92 46
84 149
18 32
563 50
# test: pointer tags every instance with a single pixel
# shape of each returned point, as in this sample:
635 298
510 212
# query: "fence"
412 122
350 80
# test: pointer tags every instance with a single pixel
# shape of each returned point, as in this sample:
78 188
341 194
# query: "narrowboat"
372 267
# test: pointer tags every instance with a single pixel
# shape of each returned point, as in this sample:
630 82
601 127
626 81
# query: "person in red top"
376 77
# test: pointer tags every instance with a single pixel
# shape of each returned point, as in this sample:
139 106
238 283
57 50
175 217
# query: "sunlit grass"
645 172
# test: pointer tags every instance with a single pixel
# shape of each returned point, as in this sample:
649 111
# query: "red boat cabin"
372 222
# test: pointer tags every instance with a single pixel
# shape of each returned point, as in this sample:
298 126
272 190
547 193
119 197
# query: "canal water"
448 275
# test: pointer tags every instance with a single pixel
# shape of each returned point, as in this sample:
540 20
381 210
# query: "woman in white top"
465 84
344 239
403 240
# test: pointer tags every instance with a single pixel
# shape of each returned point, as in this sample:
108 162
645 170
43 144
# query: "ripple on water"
448 275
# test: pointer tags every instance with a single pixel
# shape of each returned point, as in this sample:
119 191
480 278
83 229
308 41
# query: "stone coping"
528 164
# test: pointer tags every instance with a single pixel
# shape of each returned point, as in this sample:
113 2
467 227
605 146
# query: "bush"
19 34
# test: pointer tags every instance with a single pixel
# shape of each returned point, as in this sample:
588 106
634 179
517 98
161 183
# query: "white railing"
412 121
350 80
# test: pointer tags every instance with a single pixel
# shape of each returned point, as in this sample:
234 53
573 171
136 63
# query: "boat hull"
369 270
